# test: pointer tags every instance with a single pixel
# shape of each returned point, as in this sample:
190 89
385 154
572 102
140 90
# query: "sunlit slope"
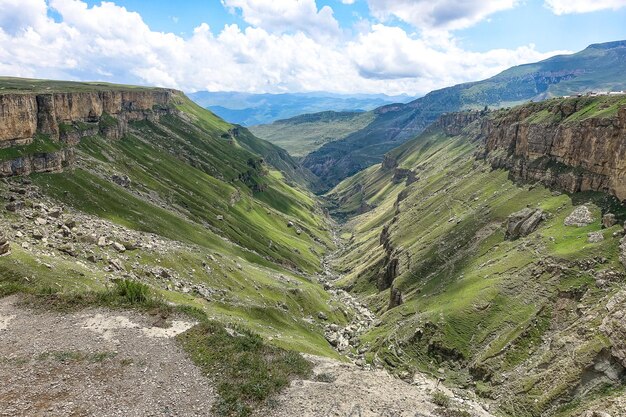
477 308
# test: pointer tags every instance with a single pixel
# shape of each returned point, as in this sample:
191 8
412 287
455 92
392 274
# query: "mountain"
600 67
305 133
249 109
483 275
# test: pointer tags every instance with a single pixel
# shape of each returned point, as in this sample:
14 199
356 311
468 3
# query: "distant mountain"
253 109
600 67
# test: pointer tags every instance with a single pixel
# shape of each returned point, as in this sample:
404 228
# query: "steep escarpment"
509 287
599 67
25 115
576 144
38 130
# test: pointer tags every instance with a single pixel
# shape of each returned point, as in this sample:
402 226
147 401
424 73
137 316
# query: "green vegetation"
476 305
41 144
303 134
246 371
26 85
597 68
441 399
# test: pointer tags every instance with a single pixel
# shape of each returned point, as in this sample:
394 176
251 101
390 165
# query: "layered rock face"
24 115
67 117
556 143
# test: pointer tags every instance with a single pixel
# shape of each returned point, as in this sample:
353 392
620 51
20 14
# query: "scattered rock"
580 217
5 247
39 221
121 180
523 223
595 237
609 220
38 234
220 217
119 247
322 316
15 205
102 241
298 231
290 224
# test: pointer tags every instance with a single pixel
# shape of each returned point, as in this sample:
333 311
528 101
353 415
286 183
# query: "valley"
476 270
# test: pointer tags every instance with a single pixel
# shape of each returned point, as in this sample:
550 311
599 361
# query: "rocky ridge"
64 118
562 143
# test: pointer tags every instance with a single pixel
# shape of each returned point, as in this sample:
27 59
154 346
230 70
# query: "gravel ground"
356 392
95 363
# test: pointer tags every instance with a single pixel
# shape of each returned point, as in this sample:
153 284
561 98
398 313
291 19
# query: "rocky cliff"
67 117
576 144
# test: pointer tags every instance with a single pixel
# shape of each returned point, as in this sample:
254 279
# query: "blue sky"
382 46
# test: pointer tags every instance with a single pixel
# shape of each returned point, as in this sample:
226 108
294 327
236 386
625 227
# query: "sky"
276 46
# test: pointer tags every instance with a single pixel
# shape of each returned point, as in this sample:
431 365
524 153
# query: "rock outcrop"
581 216
67 117
555 143
5 248
523 223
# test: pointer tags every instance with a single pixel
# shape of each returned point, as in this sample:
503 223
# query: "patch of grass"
133 292
41 144
246 371
76 356
441 399
325 377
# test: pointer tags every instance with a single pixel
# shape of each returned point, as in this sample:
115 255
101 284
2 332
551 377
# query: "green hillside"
600 67
221 211
303 134
518 320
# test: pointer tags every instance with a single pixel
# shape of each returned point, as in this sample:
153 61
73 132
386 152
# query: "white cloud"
438 14
560 7
110 43
287 15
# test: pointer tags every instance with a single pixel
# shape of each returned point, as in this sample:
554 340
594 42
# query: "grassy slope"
185 172
303 134
473 300
598 67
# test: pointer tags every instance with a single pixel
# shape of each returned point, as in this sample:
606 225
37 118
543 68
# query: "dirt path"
95 363
346 390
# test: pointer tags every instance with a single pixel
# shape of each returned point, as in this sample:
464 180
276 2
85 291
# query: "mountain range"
599 67
249 109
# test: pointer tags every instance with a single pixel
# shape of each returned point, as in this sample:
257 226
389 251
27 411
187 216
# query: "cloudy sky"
381 46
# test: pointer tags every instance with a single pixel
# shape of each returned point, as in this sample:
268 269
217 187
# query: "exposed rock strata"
67 118
539 143
523 223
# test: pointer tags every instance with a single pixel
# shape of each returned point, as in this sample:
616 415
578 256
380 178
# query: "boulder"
523 223
5 248
121 180
580 217
15 205
595 237
119 247
609 220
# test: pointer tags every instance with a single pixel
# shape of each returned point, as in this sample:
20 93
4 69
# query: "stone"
38 234
322 316
116 264
609 220
220 217
121 180
395 298
580 217
5 247
523 222
595 237
15 205
102 241
298 231
71 223
40 221
55 213
119 247
290 224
